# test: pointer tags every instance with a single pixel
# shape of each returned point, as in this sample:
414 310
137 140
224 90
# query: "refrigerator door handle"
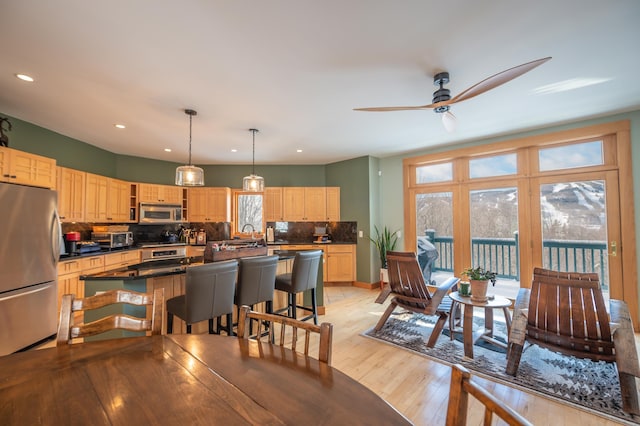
56 234
24 293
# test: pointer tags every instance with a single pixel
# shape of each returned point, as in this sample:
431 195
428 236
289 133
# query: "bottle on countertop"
201 237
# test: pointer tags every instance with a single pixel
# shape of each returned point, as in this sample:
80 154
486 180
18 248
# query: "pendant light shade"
189 175
253 182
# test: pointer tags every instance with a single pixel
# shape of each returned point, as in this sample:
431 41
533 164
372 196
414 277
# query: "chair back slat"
68 330
324 331
405 276
567 309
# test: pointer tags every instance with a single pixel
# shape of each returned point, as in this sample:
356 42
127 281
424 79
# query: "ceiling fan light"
449 122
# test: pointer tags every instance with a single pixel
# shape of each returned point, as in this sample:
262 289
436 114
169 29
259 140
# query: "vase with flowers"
479 280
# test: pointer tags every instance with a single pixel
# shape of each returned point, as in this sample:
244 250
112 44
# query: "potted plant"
384 241
479 280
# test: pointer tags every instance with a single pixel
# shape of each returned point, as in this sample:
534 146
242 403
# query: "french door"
576 223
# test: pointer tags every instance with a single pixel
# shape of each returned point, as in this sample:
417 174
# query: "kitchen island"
170 275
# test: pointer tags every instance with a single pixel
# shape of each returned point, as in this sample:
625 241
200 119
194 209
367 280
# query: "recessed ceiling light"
25 77
298 150
571 84
234 150
120 126
167 150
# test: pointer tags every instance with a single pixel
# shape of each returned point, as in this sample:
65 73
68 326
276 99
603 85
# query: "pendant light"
189 175
253 182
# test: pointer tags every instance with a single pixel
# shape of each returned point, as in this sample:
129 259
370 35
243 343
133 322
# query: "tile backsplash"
303 232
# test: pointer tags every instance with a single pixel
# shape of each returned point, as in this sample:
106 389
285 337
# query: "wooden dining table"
182 379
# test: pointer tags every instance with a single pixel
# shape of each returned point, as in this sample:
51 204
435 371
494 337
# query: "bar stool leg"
314 306
169 323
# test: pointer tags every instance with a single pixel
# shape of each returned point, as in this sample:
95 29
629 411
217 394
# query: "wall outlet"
360 234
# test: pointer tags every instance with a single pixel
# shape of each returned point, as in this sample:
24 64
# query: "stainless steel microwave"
160 213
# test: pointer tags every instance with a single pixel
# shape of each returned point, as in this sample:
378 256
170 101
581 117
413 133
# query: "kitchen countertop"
290 243
159 268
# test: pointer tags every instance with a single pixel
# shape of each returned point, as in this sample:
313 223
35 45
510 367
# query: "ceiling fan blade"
398 108
497 80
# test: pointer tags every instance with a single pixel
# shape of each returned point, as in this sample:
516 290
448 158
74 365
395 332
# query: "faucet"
249 225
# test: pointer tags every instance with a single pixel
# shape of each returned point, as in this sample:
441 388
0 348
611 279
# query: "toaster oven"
113 239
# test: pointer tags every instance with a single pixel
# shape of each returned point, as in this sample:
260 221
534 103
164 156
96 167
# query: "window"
497 165
571 156
434 173
248 212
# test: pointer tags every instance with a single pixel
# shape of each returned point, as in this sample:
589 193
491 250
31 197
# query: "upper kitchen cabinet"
150 193
71 194
118 200
333 203
96 198
27 169
272 203
209 205
107 200
312 204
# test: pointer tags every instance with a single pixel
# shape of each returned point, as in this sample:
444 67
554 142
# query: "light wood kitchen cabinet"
96 198
310 204
340 263
333 203
174 285
121 259
71 194
272 203
209 205
118 200
27 169
304 204
151 193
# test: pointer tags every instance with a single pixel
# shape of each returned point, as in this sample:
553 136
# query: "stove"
162 251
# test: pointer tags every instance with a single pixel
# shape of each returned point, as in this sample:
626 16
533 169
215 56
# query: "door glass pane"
494 237
574 228
434 223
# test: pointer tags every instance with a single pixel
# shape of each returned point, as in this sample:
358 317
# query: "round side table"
468 335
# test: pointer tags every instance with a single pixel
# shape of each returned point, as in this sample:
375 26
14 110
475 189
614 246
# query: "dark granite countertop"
159 268
291 243
100 252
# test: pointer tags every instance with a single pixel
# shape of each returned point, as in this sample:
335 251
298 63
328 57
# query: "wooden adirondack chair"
410 292
565 312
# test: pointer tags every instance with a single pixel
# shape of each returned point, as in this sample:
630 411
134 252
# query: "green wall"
352 176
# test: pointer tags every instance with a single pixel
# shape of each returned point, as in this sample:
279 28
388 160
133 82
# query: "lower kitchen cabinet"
340 263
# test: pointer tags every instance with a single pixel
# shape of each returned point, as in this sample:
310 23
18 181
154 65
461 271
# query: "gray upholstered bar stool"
256 282
303 277
209 292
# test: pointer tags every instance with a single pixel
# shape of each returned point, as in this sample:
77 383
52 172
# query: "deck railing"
502 255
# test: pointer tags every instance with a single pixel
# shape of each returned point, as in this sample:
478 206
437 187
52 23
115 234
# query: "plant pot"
384 275
479 290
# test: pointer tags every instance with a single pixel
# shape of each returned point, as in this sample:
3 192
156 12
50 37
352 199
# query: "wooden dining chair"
68 330
565 313
461 387
288 331
410 292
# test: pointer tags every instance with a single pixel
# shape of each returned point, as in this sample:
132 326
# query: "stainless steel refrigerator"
29 253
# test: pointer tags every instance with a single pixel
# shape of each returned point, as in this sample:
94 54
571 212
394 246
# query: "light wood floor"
415 385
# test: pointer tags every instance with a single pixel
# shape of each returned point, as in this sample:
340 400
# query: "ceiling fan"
442 100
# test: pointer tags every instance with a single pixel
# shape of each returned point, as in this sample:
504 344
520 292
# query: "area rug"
592 386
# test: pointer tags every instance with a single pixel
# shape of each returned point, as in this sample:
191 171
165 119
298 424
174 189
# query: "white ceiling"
295 69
